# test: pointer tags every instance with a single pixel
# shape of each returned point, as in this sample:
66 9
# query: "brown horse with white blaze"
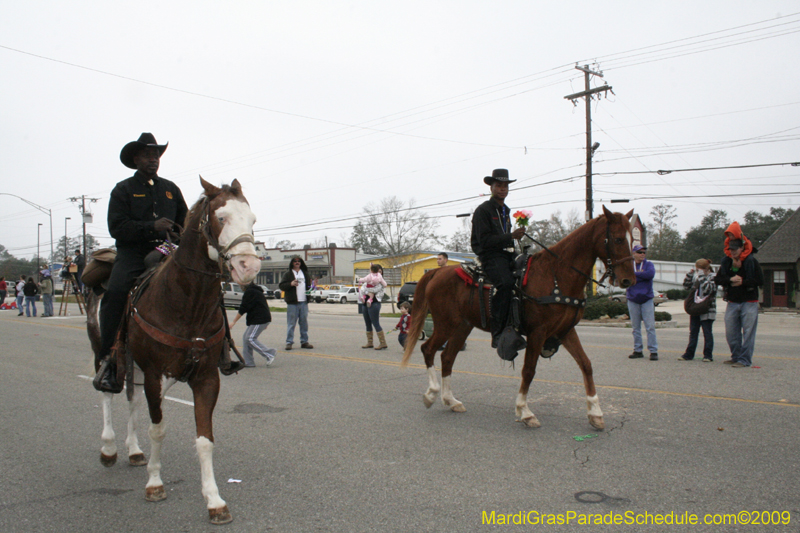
175 331
455 310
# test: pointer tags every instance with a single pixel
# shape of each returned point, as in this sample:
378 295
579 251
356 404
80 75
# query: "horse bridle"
223 257
610 263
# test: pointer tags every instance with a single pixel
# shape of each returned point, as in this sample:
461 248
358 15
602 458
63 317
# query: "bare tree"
397 228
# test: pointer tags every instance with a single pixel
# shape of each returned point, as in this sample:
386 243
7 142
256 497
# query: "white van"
233 295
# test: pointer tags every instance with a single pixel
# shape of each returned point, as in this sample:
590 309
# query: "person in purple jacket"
640 305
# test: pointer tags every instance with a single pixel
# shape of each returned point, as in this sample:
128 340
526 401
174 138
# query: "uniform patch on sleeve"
169 195
139 195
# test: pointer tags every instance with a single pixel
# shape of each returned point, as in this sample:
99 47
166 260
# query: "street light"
38 227
66 242
40 208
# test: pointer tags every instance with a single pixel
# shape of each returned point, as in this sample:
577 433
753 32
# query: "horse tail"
419 311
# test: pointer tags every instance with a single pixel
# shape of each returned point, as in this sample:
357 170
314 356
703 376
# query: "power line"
665 172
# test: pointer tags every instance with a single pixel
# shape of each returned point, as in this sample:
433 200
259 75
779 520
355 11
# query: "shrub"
677 294
601 306
663 316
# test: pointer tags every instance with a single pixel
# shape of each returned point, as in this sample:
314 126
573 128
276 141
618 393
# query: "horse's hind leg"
454 344
429 349
108 452
135 455
154 490
573 345
205 398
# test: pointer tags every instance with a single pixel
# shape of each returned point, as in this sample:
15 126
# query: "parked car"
406 293
343 295
321 293
232 296
658 297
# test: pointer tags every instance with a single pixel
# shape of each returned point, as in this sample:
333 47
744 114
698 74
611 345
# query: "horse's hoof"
532 422
220 516
137 459
427 401
458 408
108 460
155 494
597 422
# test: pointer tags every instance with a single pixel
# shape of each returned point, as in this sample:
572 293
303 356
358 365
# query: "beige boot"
369 340
383 344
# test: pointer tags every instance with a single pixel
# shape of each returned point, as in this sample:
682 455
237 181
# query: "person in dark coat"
80 262
741 276
293 284
254 305
493 242
141 210
30 290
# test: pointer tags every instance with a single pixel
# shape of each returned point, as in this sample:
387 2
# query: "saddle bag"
99 267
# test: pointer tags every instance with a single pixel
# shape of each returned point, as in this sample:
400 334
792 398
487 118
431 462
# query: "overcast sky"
320 108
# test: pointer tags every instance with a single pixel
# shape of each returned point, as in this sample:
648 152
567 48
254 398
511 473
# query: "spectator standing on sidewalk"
20 294
254 305
3 290
640 305
701 280
741 276
30 290
46 287
293 284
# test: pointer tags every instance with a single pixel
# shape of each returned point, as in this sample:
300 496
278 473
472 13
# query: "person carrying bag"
701 305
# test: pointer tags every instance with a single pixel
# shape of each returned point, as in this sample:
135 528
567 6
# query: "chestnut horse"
175 330
455 309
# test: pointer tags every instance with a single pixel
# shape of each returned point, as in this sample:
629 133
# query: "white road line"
177 400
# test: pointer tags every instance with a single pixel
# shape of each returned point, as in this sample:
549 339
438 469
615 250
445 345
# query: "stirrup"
233 368
106 378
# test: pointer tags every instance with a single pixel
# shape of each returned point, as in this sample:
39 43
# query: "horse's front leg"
154 389
205 394
108 451
573 345
524 413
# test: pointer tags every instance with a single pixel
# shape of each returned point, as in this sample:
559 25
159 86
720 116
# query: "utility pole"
590 148
84 215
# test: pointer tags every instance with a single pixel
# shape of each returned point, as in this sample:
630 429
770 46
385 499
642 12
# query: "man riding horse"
141 210
493 243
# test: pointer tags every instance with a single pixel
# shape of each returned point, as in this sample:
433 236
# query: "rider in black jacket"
141 210
493 243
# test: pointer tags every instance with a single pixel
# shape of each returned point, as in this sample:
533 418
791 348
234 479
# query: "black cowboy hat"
498 174
130 150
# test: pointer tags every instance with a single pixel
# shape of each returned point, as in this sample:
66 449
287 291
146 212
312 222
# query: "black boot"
231 368
106 378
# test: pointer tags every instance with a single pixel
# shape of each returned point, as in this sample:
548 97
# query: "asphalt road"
337 438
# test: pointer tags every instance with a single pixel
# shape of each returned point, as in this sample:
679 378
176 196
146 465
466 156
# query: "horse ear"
606 212
211 190
236 186
629 214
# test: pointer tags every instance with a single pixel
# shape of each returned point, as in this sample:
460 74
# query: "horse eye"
221 220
